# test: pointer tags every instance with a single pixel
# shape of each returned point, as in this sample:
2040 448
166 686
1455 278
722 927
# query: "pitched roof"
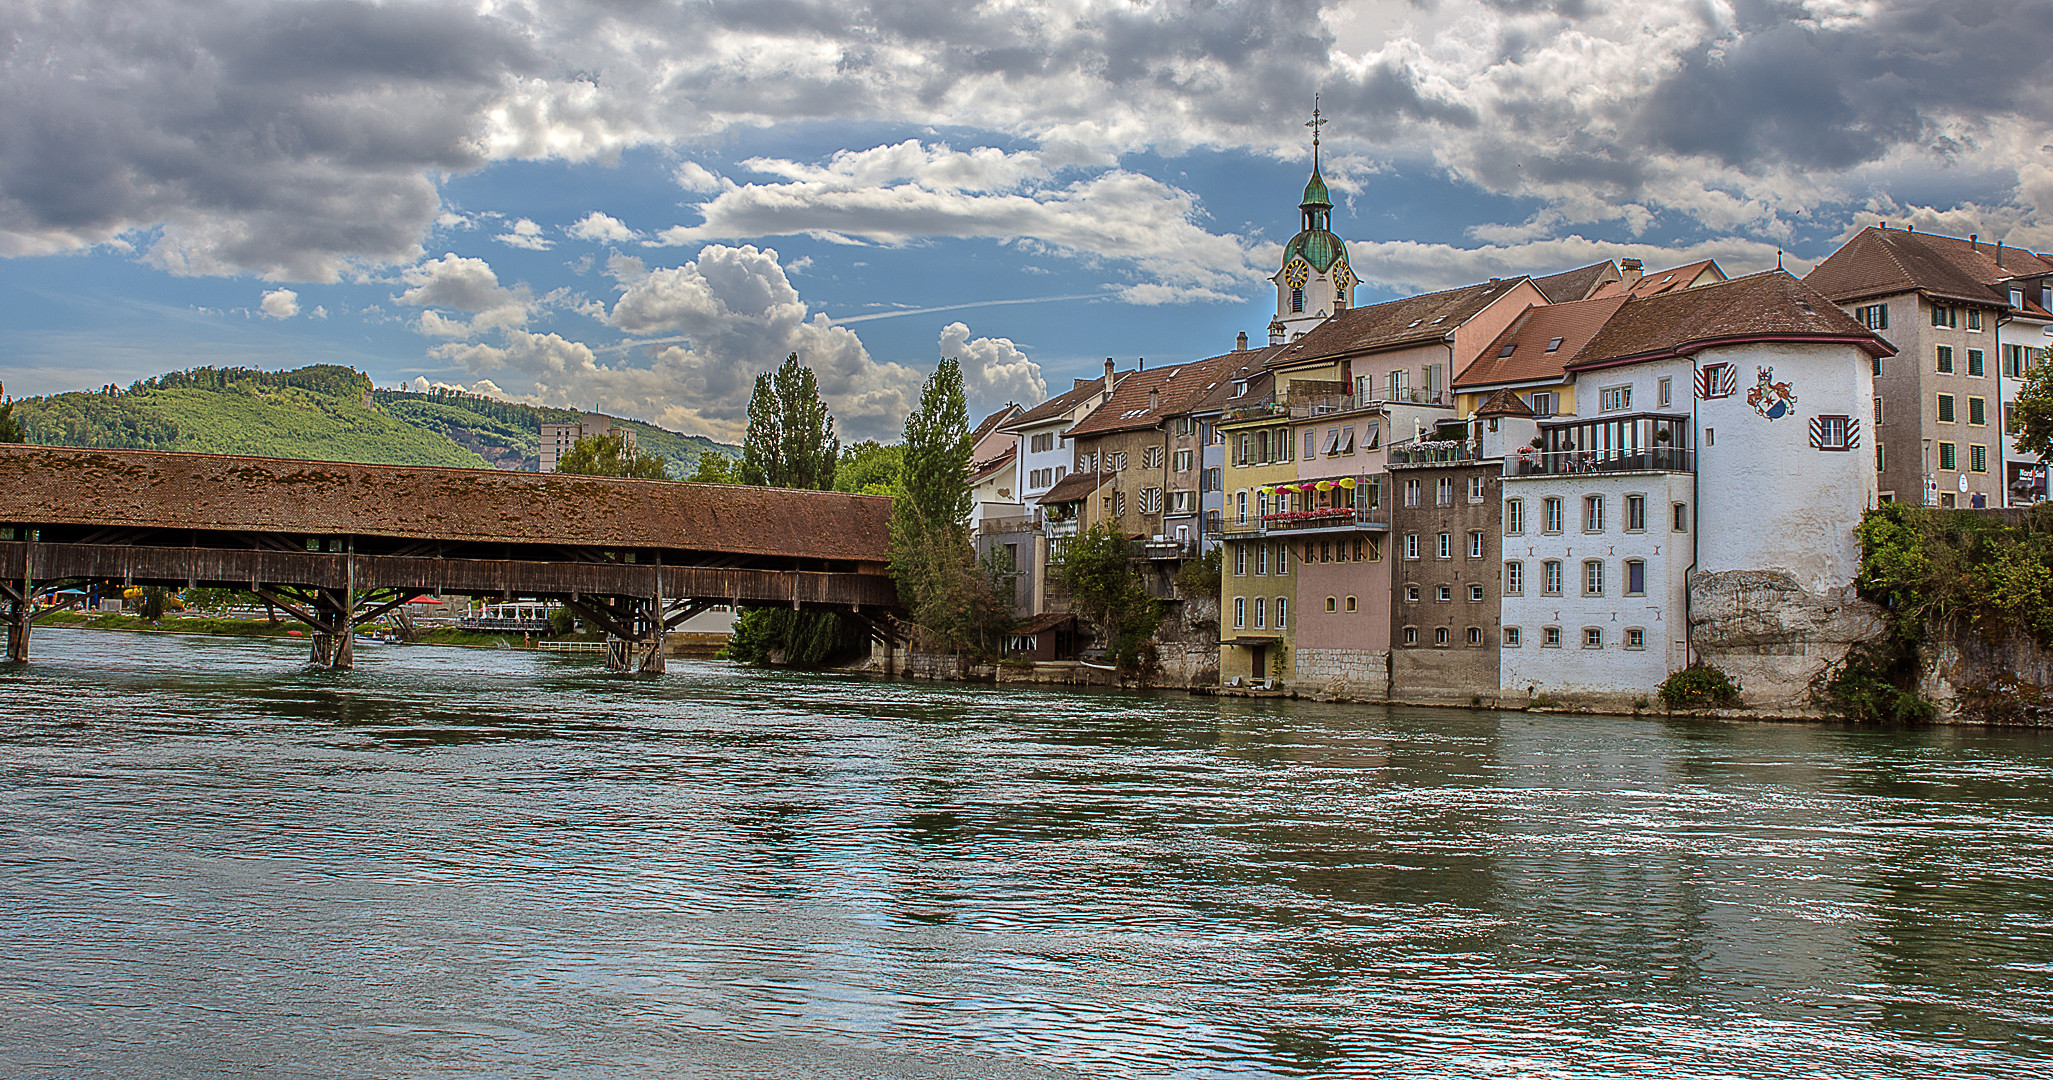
980 471
1144 398
1577 284
1250 364
1504 402
1522 354
1408 321
1768 306
1055 408
990 423
1878 261
1656 282
1073 487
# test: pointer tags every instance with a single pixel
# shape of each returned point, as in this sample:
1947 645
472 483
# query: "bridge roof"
209 492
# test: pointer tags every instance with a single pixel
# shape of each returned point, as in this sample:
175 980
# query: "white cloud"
600 229
994 370
526 234
464 284
692 176
280 304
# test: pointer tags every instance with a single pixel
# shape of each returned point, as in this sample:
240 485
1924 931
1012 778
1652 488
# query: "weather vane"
1315 123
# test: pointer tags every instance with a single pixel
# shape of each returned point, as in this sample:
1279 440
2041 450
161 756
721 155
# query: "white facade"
557 439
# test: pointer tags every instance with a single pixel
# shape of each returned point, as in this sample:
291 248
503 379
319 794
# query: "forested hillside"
319 413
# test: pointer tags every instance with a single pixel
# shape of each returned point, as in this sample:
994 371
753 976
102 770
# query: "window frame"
1593 577
1514 577
1632 567
1635 512
1552 578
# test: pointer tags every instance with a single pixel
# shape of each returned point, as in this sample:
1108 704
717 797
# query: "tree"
790 441
869 468
954 602
2032 413
714 468
611 454
10 428
1104 590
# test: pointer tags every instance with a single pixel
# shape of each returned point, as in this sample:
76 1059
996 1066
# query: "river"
494 863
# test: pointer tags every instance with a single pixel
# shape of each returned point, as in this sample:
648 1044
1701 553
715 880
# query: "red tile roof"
990 423
1878 262
1058 406
1768 306
1578 284
982 470
1409 321
1527 338
1656 282
1143 399
1505 402
1074 487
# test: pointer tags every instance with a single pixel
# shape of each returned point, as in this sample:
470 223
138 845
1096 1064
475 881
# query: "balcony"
1323 404
1417 452
1248 410
1319 520
1531 462
1162 548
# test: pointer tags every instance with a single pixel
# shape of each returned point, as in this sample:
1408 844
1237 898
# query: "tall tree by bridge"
954 602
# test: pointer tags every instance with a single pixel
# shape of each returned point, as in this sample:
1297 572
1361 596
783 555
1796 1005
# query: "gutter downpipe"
1696 518
2002 436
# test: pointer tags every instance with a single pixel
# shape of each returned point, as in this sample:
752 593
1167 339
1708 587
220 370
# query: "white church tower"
1314 281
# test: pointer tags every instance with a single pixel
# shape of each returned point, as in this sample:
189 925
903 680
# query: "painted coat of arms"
1771 399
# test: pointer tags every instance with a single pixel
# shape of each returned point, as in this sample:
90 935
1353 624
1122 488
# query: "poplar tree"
10 428
790 441
954 602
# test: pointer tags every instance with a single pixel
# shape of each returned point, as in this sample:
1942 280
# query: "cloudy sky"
637 205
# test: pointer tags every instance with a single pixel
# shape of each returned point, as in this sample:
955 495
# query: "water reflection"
216 862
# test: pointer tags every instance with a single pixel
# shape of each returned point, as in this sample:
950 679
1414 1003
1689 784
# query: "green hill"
319 413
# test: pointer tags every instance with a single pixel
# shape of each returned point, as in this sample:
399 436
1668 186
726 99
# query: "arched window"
1297 300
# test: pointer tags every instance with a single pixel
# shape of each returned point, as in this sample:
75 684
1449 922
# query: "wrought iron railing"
1530 462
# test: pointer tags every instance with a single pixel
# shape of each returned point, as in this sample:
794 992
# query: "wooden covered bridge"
338 545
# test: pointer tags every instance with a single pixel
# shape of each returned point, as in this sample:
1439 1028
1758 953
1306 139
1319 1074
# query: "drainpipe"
2002 440
1696 517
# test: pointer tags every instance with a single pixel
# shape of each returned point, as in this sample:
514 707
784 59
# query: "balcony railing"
1267 406
1320 519
1434 452
1338 403
1164 548
1531 462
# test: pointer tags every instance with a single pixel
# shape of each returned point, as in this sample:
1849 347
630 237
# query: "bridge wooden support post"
335 633
18 624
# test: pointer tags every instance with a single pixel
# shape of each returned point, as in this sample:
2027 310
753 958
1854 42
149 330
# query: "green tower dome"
1315 242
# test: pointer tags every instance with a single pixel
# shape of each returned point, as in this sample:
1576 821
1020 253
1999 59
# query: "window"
1443 492
1878 410
1411 545
1247 449
1945 356
1593 577
1553 516
1681 516
1297 301
1261 612
1411 493
1440 635
1945 316
1475 594
1411 635
1215 479
1444 594
1664 392
1635 577
1974 364
1446 545
1283 444
1240 508
1614 398
1946 457
1553 344
1261 559
1283 558
1635 513
1550 637
1635 638
1514 517
1325 551
1475 635
1042 443
1873 316
1593 513
1240 612
1119 461
1151 500
1977 410
1475 544
1545 402
1118 503
1832 432
1717 381
1183 502
1875 366
1375 549
1514 579
1240 560
1411 594
1476 486
1312 437
1945 408
1977 458
1593 637
1332 605
1350 603
1974 318
1282 612
1550 578
1511 637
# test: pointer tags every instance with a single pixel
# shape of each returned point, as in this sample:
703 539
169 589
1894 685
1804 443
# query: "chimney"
1972 244
1106 394
1154 400
1240 342
1629 272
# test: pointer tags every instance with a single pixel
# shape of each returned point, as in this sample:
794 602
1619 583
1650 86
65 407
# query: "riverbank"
689 646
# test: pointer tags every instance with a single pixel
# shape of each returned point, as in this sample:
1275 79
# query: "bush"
1699 687
1200 576
1875 684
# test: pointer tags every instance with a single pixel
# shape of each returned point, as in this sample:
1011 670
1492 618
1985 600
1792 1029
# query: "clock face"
1342 276
1297 273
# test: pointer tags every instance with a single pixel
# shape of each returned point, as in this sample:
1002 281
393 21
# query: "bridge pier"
18 624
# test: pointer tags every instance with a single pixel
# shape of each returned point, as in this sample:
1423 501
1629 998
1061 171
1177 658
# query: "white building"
557 439
1044 453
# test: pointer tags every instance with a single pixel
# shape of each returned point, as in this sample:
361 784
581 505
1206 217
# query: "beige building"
557 439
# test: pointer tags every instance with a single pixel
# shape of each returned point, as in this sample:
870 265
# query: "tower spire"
1315 123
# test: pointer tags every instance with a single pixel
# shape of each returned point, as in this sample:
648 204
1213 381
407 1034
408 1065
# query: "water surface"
494 863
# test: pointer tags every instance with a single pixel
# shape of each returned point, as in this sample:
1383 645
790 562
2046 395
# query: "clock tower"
1314 281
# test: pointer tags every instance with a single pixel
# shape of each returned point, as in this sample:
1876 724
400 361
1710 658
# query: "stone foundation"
1971 680
1342 673
1771 636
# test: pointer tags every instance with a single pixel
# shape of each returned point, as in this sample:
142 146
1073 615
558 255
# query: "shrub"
1699 687
1875 683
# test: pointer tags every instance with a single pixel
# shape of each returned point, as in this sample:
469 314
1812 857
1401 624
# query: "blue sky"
638 207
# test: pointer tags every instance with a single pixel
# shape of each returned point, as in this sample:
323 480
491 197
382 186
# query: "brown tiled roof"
979 470
1505 402
1073 487
1577 284
1171 389
1054 408
1877 262
1656 282
1396 322
1528 337
1046 621
990 423
1768 306
220 493
1250 365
